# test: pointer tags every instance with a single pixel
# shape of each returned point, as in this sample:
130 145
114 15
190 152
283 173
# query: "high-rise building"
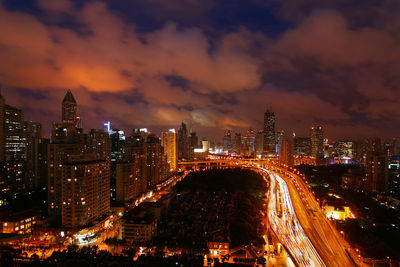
238 144
302 146
36 162
259 142
135 149
85 191
69 109
250 141
227 141
269 133
99 144
128 180
12 179
377 168
15 138
57 155
206 145
156 161
361 148
193 143
279 141
317 141
67 141
170 147
287 153
183 142
377 173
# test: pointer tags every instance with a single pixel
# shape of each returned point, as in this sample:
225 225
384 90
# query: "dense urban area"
109 198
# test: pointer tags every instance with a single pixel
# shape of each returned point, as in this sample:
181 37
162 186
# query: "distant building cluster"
380 158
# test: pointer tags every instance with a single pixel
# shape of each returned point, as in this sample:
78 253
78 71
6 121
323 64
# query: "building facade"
269 133
85 192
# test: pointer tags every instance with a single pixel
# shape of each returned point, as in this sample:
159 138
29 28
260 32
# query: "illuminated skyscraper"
279 141
227 141
193 143
302 146
250 141
287 153
85 191
376 168
128 180
69 109
238 144
183 142
259 142
66 141
317 141
170 147
269 133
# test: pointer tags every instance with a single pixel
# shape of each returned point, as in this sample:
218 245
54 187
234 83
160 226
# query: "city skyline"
200 133
217 69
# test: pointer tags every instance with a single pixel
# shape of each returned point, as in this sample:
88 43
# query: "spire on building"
69 97
69 109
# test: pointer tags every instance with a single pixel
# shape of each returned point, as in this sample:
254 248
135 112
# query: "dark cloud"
216 65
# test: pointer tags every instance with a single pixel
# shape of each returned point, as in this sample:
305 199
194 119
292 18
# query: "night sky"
216 64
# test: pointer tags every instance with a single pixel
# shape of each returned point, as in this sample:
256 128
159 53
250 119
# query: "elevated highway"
293 214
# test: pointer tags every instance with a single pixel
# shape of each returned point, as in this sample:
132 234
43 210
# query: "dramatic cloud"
325 66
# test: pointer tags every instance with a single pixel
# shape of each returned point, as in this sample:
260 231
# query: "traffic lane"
319 232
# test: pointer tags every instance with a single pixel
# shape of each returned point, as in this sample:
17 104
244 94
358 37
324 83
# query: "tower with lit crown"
69 109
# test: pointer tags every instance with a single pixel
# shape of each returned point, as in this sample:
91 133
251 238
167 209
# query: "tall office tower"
287 153
361 148
69 109
156 161
170 148
85 191
377 168
135 149
227 141
66 141
36 162
317 141
259 142
16 135
193 143
377 173
237 144
250 138
269 133
279 141
15 138
183 142
99 144
302 146
128 180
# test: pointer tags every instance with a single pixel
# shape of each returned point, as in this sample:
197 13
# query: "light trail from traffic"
286 226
